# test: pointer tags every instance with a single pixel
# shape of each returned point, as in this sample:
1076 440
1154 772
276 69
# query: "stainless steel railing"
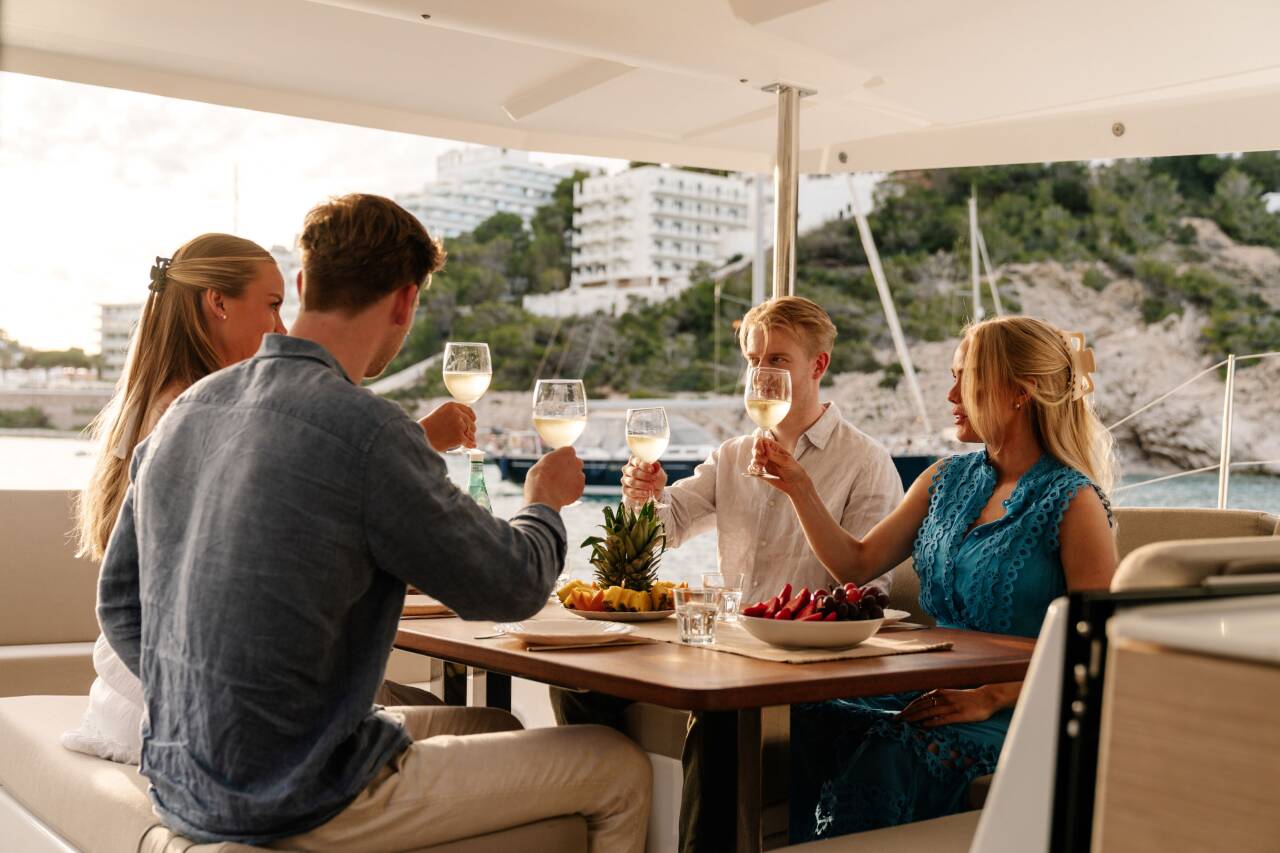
1225 464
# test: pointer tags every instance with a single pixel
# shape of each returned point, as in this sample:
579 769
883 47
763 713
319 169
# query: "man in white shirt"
757 533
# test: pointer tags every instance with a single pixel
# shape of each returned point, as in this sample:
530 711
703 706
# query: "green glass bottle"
476 487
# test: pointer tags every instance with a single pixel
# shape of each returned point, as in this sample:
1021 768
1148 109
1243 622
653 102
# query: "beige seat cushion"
46 594
64 669
1188 563
904 594
1138 526
951 834
97 805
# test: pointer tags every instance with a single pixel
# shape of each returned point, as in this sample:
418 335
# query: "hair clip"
1082 364
159 274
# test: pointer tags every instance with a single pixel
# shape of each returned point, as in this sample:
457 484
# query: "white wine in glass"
768 400
558 432
560 412
648 433
467 371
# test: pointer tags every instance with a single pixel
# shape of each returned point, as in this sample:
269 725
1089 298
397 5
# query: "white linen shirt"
757 529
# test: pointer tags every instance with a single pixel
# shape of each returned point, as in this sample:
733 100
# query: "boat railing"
1224 464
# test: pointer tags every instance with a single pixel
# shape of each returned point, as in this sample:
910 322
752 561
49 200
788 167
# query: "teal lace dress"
857 768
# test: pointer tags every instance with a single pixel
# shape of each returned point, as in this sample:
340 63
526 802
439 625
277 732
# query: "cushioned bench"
95 805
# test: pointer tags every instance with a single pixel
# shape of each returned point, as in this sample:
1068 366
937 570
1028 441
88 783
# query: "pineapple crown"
628 554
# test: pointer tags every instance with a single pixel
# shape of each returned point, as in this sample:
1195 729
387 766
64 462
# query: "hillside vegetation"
1132 220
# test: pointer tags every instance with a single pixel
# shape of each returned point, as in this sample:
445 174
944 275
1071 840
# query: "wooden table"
694 679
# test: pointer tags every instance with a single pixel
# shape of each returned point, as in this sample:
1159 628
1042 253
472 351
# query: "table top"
698 679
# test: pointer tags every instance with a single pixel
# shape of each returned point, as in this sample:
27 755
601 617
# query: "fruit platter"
836 618
626 586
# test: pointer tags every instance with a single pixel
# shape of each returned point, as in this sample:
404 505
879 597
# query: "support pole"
978 311
1224 459
786 188
757 262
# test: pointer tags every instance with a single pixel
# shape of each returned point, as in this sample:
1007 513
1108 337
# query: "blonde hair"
804 318
1005 355
170 346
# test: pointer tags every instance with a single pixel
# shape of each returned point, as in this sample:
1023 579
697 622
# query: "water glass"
696 611
730 588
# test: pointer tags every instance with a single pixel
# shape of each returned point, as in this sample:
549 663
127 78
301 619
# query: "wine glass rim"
448 344
662 409
559 382
770 370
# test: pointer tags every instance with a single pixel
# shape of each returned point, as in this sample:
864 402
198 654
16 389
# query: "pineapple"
627 556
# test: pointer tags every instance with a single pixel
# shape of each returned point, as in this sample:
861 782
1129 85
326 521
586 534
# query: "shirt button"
772 501
764 541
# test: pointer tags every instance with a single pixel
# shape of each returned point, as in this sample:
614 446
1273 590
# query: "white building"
290 264
117 321
473 184
641 232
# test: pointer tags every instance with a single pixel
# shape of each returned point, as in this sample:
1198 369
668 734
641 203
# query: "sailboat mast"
978 311
890 310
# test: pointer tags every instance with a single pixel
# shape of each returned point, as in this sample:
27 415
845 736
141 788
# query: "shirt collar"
820 433
284 346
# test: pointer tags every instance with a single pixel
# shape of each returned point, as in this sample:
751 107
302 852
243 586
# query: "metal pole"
991 279
716 369
786 188
757 262
1224 458
890 311
978 311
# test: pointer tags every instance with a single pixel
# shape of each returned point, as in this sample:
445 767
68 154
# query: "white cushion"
112 724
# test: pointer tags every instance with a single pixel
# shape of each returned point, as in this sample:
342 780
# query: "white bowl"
787 634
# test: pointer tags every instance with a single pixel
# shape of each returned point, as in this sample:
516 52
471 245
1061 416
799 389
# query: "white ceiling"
900 83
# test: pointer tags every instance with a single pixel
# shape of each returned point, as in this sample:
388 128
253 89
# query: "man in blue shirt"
258 568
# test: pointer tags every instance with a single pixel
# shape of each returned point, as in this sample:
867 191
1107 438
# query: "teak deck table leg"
764 752
464 685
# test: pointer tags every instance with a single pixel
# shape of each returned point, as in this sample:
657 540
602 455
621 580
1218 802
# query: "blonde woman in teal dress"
996 535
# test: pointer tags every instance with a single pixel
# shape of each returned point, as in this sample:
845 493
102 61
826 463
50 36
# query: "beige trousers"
474 770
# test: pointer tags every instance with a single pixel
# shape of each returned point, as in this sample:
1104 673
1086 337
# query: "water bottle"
476 487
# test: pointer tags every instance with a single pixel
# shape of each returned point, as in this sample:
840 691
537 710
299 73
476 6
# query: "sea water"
36 462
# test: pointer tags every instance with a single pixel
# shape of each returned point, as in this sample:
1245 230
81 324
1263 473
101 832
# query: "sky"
95 182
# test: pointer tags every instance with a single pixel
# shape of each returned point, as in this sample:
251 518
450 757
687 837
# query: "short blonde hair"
802 317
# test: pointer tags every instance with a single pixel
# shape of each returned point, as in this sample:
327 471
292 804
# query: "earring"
1015 405
224 316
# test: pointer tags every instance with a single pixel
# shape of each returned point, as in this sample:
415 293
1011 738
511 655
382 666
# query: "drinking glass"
648 433
560 412
696 615
768 399
730 588
467 373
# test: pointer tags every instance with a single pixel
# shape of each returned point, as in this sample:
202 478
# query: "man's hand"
791 475
555 480
642 481
450 425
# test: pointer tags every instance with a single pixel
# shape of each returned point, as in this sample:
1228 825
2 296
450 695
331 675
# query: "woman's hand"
773 458
944 707
450 425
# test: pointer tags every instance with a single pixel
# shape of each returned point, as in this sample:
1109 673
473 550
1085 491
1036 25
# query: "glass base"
761 475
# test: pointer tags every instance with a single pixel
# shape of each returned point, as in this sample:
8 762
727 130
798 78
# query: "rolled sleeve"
688 507
119 602
425 531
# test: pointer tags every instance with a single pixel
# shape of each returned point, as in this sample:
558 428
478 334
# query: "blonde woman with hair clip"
995 535
209 306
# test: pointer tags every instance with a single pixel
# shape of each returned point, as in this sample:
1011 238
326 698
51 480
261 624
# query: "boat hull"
608 473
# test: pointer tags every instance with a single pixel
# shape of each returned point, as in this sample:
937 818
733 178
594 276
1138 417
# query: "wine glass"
467 373
648 433
560 412
768 399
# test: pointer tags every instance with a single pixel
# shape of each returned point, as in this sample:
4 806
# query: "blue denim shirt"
256 574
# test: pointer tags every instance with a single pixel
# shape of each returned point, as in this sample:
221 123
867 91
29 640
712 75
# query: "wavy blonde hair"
802 317
170 346
1006 355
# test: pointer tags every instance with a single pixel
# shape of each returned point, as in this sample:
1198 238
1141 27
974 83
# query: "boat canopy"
894 85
